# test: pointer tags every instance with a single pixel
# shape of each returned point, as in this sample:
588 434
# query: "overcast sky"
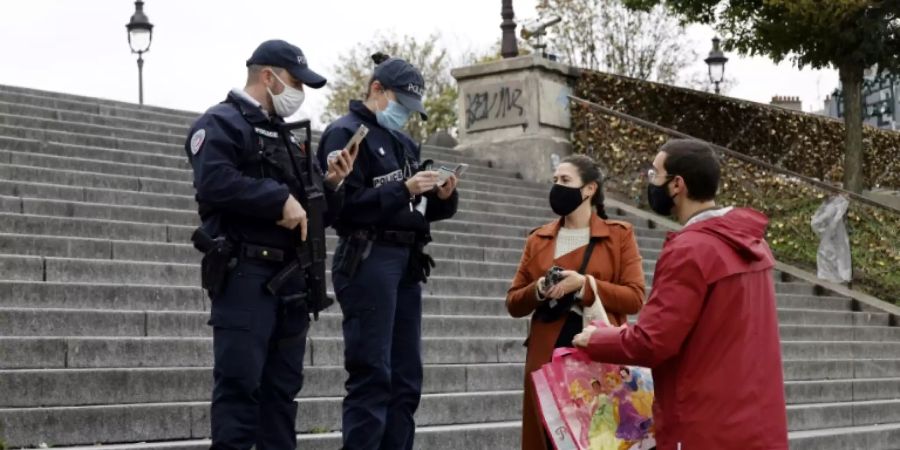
198 54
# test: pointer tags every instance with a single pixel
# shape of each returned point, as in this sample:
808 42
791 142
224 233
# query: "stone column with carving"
515 112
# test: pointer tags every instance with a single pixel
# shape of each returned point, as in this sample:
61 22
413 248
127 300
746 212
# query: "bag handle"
596 311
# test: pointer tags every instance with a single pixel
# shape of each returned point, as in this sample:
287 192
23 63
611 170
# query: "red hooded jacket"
709 332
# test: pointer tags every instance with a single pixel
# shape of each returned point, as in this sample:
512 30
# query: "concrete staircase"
102 326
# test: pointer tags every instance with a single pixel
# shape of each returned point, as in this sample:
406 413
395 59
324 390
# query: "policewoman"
258 192
379 262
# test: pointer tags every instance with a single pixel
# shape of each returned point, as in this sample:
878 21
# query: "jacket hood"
743 229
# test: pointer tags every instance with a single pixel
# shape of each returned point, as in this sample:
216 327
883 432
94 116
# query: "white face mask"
288 101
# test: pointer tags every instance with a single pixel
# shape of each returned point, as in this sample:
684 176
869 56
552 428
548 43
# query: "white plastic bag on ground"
833 257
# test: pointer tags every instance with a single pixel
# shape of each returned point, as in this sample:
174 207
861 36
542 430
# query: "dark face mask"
660 201
564 200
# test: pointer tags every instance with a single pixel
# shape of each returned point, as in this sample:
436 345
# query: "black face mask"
565 200
660 201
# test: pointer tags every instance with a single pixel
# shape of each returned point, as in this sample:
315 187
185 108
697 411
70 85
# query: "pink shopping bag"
588 405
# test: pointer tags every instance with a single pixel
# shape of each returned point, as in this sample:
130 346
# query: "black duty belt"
394 237
263 253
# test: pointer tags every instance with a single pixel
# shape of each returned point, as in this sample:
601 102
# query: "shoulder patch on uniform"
197 140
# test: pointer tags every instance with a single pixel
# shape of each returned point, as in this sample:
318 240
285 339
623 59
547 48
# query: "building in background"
793 103
880 100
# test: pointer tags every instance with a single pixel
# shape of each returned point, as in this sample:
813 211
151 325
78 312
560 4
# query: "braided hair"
589 171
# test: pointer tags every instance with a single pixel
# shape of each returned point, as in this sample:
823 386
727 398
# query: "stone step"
120 250
99 352
506 435
167 421
179 181
102 296
823 318
66 102
78 387
43 322
179 161
857 332
815 302
836 369
473 200
451 232
24 224
822 350
60 102
64 150
96 195
176 147
455 260
74 387
883 436
819 416
35 294
73 425
35 268
109 297
832 391
93 165
90 179
92 140
11 120
125 352
464 221
440 437
462 278
147 124
31 152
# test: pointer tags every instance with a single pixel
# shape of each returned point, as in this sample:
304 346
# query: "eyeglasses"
652 174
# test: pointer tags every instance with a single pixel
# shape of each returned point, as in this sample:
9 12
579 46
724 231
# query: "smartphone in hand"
444 172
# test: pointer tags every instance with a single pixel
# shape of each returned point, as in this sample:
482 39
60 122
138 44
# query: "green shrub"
626 150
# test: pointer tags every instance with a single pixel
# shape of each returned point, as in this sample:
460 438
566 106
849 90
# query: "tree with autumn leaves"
849 35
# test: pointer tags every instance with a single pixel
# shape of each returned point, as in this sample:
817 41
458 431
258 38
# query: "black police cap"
278 53
405 81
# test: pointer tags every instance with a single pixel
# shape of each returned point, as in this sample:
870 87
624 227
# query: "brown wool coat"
615 263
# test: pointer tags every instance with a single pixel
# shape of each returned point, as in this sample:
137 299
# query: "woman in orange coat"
613 260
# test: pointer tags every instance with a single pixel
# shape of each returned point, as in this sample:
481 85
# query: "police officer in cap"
380 262
251 191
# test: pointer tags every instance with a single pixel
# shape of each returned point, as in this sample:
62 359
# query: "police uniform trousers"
382 350
259 344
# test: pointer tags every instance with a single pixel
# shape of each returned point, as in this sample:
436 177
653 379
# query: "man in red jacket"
709 331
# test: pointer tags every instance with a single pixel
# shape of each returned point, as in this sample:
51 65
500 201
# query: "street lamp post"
140 35
508 47
716 62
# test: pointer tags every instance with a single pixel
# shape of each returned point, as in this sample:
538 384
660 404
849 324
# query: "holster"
218 259
352 251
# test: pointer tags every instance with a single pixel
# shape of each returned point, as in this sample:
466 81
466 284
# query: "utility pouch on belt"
218 259
352 251
418 269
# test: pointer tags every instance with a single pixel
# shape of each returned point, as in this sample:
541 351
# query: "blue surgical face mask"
394 117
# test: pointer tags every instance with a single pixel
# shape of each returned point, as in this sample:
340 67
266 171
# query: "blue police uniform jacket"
376 196
243 174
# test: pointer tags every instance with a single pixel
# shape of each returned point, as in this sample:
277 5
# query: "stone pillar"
515 113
